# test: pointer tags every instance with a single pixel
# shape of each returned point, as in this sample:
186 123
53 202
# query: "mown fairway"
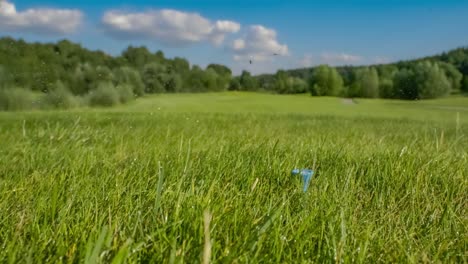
132 183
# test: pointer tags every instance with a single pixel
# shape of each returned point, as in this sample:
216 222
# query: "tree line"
426 78
64 75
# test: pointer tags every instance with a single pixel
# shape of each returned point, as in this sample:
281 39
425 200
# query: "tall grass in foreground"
143 187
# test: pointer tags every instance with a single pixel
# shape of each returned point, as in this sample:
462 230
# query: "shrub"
125 93
104 95
60 97
14 99
129 76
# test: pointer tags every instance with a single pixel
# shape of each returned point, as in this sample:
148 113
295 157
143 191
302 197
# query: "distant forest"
66 75
425 78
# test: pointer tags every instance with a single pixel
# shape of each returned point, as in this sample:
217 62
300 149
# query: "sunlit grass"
133 183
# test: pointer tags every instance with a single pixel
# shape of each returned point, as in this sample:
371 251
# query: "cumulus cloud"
40 20
260 44
306 61
339 58
170 27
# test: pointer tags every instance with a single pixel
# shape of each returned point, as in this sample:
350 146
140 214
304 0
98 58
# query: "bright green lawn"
132 183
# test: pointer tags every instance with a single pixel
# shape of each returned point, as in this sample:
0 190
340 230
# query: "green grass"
138 183
300 104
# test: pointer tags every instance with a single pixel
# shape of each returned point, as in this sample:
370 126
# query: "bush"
14 99
60 97
104 95
125 93
172 82
129 76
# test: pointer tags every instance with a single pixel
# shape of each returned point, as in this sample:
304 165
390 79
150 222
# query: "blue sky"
302 33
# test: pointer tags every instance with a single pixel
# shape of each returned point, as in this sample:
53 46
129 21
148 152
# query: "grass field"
188 178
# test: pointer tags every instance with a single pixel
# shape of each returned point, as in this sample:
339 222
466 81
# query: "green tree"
221 70
137 57
180 66
194 80
285 84
131 77
326 81
234 84
423 80
464 87
366 83
386 75
172 82
297 85
405 85
432 81
210 81
153 78
4 77
102 74
247 82
453 75
83 80
223 78
87 77
282 84
60 97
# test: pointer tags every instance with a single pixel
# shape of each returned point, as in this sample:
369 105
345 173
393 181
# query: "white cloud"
170 27
259 44
238 44
306 61
40 20
339 58
381 60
